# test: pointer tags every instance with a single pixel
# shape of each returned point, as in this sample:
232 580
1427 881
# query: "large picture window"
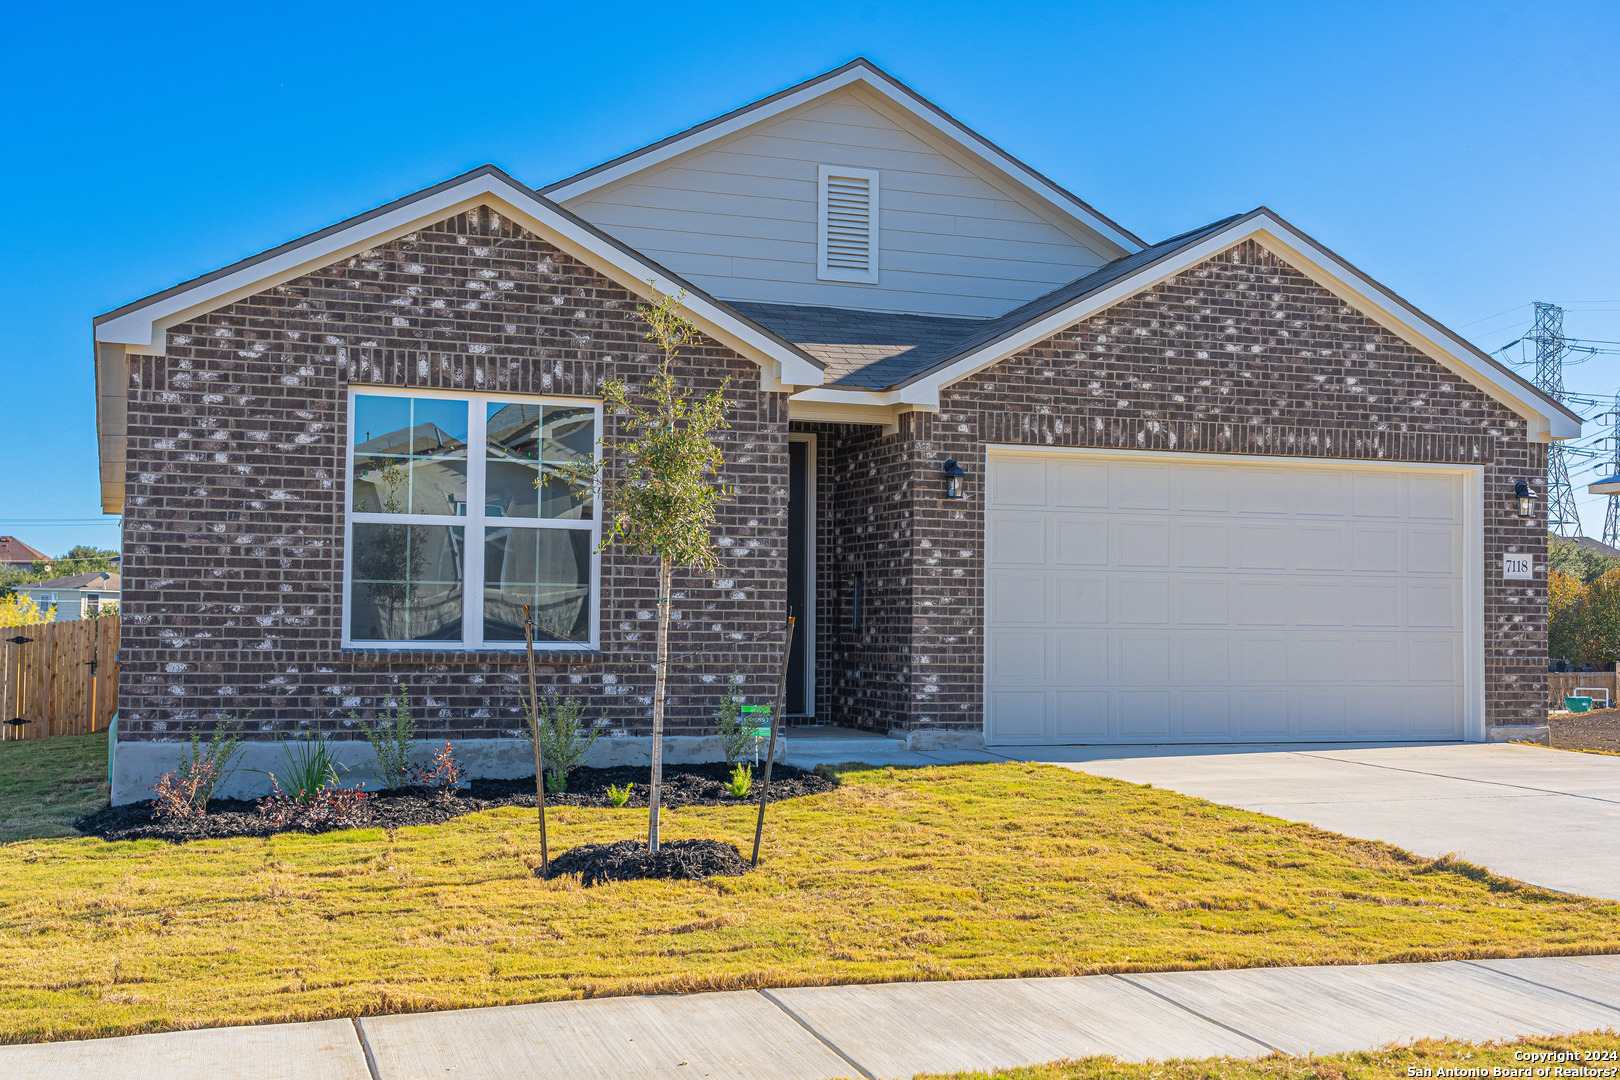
461 511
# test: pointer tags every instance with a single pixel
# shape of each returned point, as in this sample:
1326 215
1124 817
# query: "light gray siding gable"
738 218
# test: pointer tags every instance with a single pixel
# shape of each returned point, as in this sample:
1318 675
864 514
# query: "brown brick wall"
1241 355
234 515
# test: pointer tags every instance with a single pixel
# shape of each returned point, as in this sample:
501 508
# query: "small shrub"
564 742
556 783
742 781
620 796
442 775
392 737
333 806
309 766
203 767
735 731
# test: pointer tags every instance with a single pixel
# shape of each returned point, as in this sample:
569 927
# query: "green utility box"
1578 704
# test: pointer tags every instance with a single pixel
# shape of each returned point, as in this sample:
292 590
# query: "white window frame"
869 276
475 521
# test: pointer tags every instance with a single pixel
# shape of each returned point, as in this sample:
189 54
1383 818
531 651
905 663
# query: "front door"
801 694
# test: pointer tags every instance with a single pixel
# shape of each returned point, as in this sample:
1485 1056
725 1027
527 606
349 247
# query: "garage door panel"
1202 545
1144 543
1263 713
1433 605
1262 602
1017 598
1017 539
1316 659
1082 657
1018 657
1321 547
1016 715
1262 546
1018 482
1204 490
1261 659
1321 493
1375 548
1144 658
1141 487
1206 715
1432 550
1204 602
1080 541
1082 714
1142 600
1320 602
1144 714
1205 659
1183 599
1081 599
1320 713
1081 485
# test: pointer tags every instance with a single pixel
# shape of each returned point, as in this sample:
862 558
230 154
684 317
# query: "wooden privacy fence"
63 680
1560 683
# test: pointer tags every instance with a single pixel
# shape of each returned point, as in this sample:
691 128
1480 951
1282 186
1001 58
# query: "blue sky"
1466 155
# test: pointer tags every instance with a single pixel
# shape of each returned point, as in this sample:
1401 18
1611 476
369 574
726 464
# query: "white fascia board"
1609 485
142 329
877 82
1542 423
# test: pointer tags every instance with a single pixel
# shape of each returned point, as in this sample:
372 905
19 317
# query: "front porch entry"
801 574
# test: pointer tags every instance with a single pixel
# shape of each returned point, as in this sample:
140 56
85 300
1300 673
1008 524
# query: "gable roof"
909 104
878 351
13 552
140 327
95 580
932 368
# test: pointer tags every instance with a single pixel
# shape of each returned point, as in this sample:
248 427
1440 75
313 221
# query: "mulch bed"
1595 730
629 860
684 785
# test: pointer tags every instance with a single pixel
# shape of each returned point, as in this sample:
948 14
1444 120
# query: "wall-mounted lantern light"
1527 502
953 479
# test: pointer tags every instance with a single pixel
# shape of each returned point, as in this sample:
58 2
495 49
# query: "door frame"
1472 476
812 553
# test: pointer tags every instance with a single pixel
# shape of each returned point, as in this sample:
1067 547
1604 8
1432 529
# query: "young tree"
661 500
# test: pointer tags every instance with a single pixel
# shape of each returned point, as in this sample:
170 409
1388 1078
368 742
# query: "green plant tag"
761 715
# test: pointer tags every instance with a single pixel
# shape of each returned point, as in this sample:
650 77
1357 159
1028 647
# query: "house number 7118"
1516 567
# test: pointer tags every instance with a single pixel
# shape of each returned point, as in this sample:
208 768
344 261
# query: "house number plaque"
1516 567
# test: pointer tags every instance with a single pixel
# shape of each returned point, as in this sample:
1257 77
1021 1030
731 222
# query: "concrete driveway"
1549 817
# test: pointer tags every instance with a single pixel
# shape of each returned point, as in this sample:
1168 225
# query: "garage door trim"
1473 569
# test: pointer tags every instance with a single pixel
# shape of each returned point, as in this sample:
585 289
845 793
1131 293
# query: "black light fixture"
1527 502
953 479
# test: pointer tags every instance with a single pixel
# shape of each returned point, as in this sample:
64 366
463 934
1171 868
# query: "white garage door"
1164 598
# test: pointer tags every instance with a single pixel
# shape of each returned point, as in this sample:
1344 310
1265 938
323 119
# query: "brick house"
1022 476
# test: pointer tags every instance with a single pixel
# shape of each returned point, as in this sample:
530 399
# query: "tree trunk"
660 684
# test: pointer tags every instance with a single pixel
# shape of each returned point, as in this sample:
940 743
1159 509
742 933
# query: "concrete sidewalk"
883 1031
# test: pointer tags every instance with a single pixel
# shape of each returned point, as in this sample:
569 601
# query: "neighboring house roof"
94 581
13 552
860 72
993 340
140 327
1586 543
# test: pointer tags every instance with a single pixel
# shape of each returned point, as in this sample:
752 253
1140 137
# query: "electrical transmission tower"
1562 517
1611 519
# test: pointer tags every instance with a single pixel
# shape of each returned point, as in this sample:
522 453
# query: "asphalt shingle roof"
874 350
91 580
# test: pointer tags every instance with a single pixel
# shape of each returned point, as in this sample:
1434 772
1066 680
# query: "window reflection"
548 569
407 582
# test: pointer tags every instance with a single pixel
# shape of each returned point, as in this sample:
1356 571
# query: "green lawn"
1596 1050
48 784
938 873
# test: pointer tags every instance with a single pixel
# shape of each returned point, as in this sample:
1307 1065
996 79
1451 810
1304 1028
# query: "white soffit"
932 122
1544 419
140 327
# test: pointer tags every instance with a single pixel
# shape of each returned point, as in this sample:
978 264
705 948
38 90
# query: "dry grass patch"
939 873
1593 1050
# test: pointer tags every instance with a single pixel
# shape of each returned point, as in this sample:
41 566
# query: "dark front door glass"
801 549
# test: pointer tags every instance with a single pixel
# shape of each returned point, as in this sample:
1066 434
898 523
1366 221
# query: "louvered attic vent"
847 220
